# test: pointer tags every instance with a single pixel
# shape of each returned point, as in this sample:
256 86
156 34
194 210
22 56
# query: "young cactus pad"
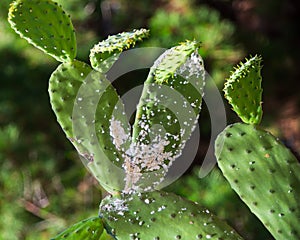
265 174
161 215
85 104
167 112
91 229
243 90
46 25
105 53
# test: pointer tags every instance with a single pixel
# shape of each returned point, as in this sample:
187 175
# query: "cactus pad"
161 215
44 24
265 174
91 228
167 112
243 90
87 107
106 52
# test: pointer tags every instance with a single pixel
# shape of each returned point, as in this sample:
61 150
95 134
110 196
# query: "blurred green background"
43 185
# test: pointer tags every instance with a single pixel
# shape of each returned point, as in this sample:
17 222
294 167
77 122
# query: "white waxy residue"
117 132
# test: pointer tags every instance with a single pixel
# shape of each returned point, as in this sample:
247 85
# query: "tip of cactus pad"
244 92
105 53
174 61
45 25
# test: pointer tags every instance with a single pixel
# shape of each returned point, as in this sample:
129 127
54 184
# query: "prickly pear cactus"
106 52
46 25
92 116
167 113
243 90
161 215
91 229
265 174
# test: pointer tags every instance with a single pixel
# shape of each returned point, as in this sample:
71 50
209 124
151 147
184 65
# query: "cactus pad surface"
243 90
167 112
91 229
86 106
46 25
161 215
265 174
105 53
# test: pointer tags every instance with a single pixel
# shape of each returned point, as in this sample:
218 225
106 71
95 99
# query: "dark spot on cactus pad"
272 211
252 187
178 237
228 134
199 236
272 171
294 232
290 161
272 191
292 209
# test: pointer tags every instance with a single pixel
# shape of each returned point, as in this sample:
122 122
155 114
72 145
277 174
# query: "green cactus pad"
87 108
91 229
265 174
168 110
243 90
161 215
166 67
64 84
44 24
106 52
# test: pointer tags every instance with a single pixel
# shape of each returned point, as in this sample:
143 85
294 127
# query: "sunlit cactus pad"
161 215
167 66
46 25
106 52
168 110
243 90
265 174
91 229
